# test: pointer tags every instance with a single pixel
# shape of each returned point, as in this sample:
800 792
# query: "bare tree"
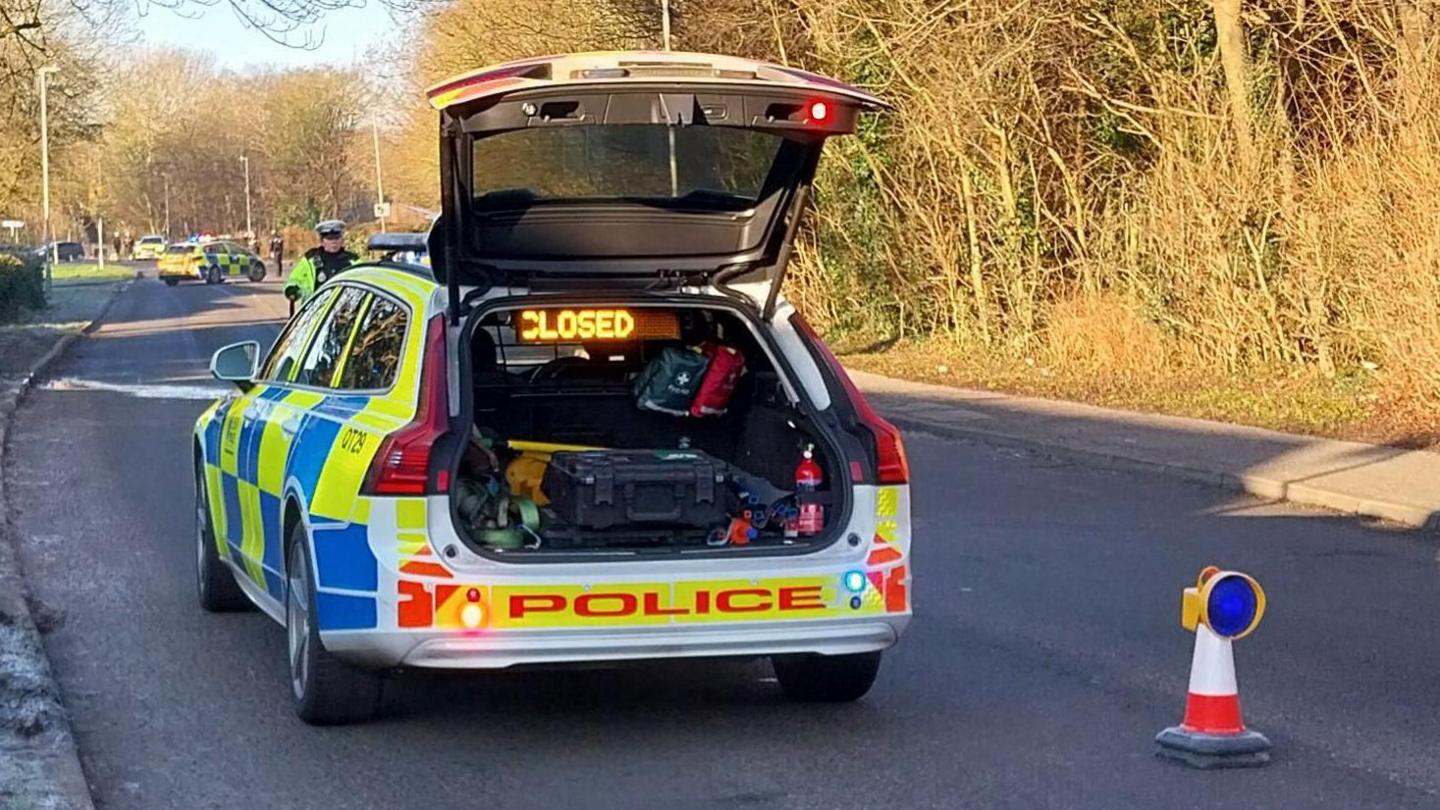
1230 35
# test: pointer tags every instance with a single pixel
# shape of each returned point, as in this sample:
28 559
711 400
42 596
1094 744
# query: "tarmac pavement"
1045 653
1389 483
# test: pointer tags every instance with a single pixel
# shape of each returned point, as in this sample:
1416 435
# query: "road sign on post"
382 210
14 225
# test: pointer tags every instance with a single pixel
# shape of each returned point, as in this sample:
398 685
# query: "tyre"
213 276
170 282
257 272
326 691
215 583
826 678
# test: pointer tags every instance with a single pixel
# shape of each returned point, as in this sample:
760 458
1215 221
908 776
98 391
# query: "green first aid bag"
668 384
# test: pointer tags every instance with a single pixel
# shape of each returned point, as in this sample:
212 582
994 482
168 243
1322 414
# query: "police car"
593 430
212 262
406 248
148 247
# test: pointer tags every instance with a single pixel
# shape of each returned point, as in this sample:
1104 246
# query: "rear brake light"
891 464
402 465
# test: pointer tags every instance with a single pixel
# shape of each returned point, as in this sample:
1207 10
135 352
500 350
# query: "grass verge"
65 271
1348 406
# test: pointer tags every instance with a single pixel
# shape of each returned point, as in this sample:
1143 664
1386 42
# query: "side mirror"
237 363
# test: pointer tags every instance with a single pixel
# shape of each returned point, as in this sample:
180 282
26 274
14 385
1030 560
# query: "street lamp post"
99 217
45 171
249 234
166 176
379 181
669 131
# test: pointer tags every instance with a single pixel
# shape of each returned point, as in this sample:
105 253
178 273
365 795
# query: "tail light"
891 464
402 465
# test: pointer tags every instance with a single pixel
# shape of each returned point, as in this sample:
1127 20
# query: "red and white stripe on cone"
1213 703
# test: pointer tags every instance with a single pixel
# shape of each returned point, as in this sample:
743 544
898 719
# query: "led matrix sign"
576 325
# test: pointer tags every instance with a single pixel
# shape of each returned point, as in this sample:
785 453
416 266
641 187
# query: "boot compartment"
563 459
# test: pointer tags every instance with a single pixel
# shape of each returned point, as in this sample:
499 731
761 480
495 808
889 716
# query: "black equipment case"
599 489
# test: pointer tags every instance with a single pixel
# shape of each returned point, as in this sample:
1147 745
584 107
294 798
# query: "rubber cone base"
1200 750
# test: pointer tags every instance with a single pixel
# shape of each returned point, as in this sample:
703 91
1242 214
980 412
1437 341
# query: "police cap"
330 227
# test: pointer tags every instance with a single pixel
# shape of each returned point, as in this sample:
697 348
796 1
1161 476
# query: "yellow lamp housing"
1229 603
1190 609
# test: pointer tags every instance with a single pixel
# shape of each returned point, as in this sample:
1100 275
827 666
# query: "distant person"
277 252
320 264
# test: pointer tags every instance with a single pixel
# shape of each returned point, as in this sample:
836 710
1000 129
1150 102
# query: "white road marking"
143 391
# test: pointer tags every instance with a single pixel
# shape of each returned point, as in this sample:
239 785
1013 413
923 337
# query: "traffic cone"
1212 735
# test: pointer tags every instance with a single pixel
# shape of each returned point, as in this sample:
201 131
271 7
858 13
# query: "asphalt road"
1044 656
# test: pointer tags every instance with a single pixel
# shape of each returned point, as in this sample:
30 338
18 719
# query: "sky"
345 35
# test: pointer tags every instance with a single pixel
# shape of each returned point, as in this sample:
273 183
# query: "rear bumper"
390 593
500 649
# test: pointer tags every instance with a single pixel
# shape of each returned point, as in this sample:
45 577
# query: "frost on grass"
27 698
29 708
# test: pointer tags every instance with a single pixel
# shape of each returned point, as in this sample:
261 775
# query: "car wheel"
215 583
170 282
326 691
826 678
212 275
257 272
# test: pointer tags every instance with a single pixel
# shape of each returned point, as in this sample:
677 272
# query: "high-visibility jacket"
314 269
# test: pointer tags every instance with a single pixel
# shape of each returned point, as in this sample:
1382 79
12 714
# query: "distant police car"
593 430
210 262
148 247
408 248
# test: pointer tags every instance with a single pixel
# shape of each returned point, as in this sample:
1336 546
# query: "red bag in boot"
726 366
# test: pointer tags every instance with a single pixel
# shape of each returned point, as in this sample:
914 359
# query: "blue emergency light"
855 581
1228 602
1232 606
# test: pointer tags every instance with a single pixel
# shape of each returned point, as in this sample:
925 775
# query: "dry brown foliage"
1064 178
1145 187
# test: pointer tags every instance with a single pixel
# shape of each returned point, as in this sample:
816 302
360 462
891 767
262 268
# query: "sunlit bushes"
1067 180
22 284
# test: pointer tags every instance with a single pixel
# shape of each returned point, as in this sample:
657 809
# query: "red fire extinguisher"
810 518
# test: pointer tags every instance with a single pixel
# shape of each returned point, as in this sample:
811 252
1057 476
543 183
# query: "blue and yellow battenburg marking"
196 263
273 439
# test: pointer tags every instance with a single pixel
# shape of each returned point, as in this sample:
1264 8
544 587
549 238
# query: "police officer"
320 264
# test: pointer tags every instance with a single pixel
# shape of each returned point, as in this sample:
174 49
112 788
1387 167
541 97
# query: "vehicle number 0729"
352 441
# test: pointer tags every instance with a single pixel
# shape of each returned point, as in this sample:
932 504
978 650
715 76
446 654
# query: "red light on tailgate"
402 465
